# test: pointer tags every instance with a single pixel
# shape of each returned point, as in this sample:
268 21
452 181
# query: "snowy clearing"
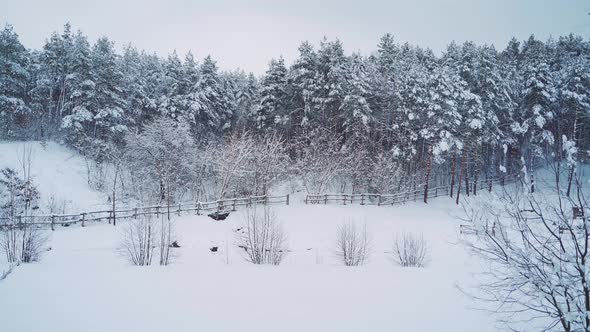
84 284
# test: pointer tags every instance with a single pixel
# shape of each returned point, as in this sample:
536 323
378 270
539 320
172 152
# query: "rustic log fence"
222 205
405 196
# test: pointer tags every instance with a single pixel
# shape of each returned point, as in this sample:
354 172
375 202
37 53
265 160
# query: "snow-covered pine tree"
173 103
207 104
78 121
356 114
57 60
14 76
271 110
246 99
538 95
572 113
329 89
301 85
139 101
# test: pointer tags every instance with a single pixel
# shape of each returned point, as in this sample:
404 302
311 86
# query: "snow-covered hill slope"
84 284
58 172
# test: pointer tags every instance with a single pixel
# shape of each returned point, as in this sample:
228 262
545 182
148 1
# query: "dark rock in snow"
218 215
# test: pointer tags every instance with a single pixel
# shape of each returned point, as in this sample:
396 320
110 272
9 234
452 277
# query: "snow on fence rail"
401 197
375 199
222 205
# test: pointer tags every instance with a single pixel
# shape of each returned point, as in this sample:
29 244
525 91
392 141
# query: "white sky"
246 34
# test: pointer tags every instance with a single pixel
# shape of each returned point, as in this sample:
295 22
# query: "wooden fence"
402 197
222 205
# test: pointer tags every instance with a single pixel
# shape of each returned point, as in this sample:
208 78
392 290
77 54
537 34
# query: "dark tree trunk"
570 177
466 173
453 170
477 166
459 177
427 177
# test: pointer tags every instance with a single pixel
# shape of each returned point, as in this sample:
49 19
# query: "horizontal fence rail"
232 204
218 206
405 196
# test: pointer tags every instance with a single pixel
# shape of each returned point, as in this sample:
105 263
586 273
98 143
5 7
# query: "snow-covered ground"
83 284
57 171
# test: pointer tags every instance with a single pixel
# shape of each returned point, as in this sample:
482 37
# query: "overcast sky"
246 34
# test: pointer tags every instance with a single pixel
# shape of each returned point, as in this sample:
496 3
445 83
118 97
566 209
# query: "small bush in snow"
166 235
262 237
19 240
353 244
21 243
139 240
410 250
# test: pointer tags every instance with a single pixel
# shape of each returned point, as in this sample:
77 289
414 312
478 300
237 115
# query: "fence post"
288 199
306 196
325 198
198 208
379 200
52 222
249 201
436 192
343 199
362 199
83 214
135 213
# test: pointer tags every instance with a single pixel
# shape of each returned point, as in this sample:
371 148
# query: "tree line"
358 121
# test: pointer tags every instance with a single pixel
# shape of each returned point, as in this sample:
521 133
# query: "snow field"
84 284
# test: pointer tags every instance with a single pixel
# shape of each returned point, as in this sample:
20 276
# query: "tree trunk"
477 166
466 173
115 199
570 177
168 200
453 170
459 177
427 177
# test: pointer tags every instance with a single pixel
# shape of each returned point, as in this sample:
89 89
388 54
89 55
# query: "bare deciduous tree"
410 250
230 160
160 159
353 244
270 162
319 160
538 246
262 237
386 174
